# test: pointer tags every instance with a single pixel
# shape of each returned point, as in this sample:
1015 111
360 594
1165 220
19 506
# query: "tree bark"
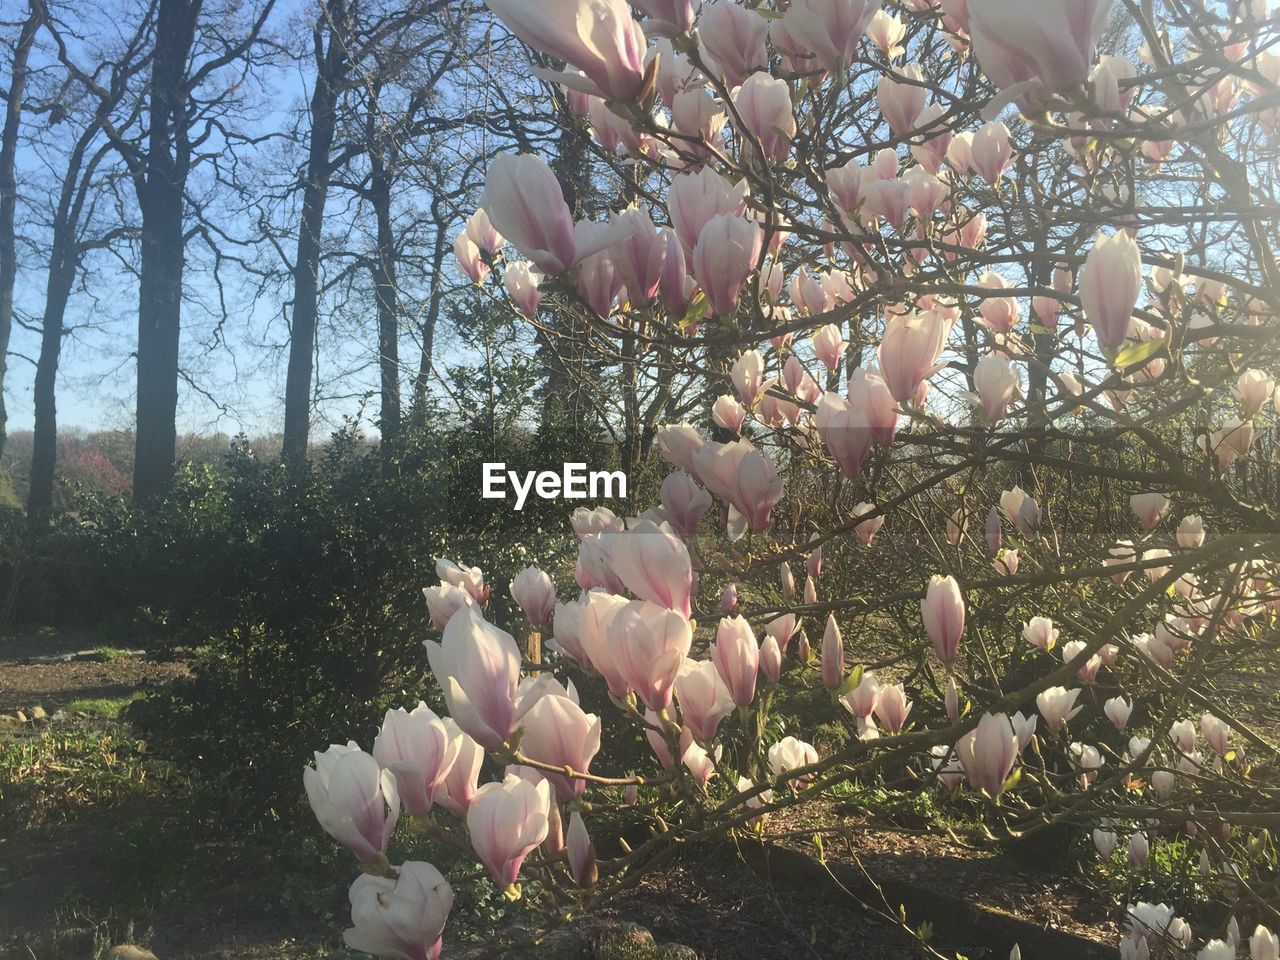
66 253
426 360
331 67
161 195
9 193
384 285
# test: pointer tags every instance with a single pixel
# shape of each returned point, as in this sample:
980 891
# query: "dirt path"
32 675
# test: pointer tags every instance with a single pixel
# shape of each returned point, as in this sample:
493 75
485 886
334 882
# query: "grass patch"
104 708
110 654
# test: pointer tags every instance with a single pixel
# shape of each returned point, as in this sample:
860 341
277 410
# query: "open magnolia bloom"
1001 381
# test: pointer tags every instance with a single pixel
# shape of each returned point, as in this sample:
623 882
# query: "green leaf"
694 311
1137 354
850 682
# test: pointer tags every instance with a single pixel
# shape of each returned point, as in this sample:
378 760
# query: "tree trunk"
331 66
384 284
45 440
9 194
168 162
427 358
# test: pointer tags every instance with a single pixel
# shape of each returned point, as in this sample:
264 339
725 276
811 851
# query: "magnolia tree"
979 297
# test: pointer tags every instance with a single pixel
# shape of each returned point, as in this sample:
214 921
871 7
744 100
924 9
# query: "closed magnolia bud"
987 754
943 612
1104 841
1139 849
770 659
810 591
534 592
581 853
832 655
994 532
787 580
506 821
1110 283
737 658
814 561
1264 945
990 152
724 256
764 104
951 699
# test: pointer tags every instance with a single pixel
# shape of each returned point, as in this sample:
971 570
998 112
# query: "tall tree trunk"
9 193
65 255
384 284
572 167
45 440
168 162
331 67
426 361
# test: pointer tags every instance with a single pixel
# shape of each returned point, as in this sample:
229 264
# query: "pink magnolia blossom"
744 477
402 917
764 104
506 822
770 658
829 346
728 413
520 281
829 29
990 152
558 732
598 37
845 431
459 786
704 698
1149 508
523 199
724 256
684 503
1032 51
654 565
668 18
909 353
901 101
355 801
478 668
651 644
733 37
867 529
987 754
418 750
737 658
